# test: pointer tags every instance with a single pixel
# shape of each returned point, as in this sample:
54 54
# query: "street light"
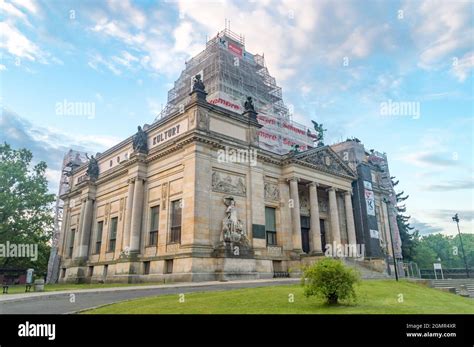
456 219
391 240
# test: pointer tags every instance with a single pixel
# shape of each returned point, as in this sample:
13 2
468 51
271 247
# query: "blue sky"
337 62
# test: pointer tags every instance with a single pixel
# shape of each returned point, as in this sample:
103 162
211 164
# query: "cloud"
449 186
96 61
424 228
47 144
462 67
446 215
17 44
439 29
29 5
431 159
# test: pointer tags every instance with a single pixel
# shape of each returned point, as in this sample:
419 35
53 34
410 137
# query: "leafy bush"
330 280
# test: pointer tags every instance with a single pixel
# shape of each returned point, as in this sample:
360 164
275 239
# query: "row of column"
315 232
133 220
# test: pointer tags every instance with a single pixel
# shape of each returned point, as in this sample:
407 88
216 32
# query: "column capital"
348 192
294 178
135 179
313 184
332 189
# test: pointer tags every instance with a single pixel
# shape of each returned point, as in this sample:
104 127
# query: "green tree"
330 280
409 238
25 206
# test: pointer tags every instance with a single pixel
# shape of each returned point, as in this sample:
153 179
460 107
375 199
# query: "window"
154 225
113 234
270 226
146 267
90 271
98 242
175 232
71 242
168 266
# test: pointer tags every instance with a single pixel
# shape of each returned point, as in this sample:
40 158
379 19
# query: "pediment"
325 159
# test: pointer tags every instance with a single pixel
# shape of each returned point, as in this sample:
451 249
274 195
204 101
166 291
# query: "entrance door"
323 234
305 226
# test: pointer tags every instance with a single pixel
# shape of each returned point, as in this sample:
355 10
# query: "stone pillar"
351 234
85 229
136 222
314 210
334 216
128 214
77 236
295 215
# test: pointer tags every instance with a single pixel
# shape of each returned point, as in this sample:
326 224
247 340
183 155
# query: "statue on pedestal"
248 105
320 133
140 141
232 227
198 85
92 168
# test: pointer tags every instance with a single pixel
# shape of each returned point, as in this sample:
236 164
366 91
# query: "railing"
281 274
455 273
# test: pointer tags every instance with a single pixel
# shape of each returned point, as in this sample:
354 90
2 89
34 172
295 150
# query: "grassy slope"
376 296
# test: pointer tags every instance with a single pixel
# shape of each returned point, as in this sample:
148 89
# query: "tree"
26 216
330 280
409 239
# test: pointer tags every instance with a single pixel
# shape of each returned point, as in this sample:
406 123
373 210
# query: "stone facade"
184 211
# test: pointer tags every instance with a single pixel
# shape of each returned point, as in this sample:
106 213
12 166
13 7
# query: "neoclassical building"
193 197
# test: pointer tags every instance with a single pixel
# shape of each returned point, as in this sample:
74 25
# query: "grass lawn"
374 296
16 289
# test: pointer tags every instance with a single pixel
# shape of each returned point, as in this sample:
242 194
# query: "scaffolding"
231 74
72 160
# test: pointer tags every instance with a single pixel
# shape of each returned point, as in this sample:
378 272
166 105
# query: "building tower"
231 74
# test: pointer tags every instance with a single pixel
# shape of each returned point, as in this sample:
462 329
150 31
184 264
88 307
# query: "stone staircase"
455 283
366 272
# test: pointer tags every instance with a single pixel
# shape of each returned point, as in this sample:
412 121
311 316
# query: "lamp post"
456 219
391 240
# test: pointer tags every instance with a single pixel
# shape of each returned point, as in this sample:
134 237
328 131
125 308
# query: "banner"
370 202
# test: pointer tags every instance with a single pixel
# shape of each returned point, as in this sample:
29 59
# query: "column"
136 222
295 215
351 234
314 210
128 214
334 215
86 229
77 236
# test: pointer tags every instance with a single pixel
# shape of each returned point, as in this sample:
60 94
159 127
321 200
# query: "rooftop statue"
92 168
248 105
140 141
198 85
320 132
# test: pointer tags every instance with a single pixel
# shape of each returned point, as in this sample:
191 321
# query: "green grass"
16 289
374 296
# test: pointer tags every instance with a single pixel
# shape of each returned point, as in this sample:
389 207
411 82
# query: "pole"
456 219
391 241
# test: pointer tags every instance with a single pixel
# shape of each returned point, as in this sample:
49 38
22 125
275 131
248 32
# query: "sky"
339 62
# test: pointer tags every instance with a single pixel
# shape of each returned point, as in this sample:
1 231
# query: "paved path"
59 302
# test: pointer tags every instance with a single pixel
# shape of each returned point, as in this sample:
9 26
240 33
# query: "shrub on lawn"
330 280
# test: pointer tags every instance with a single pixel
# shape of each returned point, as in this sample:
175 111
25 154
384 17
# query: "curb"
161 286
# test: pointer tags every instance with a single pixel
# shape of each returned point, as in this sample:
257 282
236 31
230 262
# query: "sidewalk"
27 296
